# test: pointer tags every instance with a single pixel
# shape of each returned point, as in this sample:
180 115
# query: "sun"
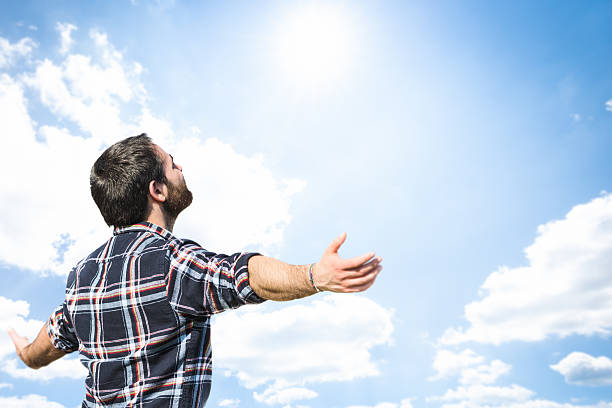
314 45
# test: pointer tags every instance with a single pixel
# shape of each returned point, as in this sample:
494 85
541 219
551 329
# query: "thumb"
14 336
336 244
12 333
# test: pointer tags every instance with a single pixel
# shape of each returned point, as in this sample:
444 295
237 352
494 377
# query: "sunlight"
315 45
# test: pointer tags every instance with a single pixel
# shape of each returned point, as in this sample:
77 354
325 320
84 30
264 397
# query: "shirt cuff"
243 288
54 327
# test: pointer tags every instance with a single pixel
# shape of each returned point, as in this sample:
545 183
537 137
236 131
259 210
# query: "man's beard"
179 198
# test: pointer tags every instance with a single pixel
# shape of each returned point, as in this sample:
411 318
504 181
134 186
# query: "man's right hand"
335 274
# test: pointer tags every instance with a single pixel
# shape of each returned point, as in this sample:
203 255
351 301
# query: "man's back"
138 308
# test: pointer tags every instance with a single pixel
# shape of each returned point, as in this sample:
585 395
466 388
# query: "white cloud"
251 206
488 396
88 91
535 403
47 195
13 314
9 53
468 366
238 202
405 403
584 369
476 395
485 373
229 403
28 401
65 30
609 105
327 339
63 368
448 363
476 390
563 290
281 395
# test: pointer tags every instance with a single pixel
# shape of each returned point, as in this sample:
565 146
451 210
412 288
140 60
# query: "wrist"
311 277
22 353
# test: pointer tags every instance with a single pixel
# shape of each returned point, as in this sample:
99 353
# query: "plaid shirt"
138 311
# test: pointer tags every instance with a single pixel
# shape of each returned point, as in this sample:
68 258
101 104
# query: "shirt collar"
144 227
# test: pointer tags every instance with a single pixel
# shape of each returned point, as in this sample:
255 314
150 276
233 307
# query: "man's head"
125 178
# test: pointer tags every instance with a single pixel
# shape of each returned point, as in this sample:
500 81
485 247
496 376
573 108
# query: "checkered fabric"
138 311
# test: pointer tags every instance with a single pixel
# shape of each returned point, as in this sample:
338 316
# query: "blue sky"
465 142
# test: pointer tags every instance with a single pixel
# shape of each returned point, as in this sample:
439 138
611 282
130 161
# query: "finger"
363 279
359 285
363 270
373 262
336 244
13 335
356 262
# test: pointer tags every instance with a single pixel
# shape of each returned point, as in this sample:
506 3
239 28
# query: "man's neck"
160 218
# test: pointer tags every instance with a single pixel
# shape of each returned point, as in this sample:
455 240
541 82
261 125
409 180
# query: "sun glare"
315 45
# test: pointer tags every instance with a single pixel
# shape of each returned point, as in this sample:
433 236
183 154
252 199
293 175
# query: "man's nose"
178 166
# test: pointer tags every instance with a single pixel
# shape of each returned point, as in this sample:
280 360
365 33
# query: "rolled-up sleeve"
201 283
61 331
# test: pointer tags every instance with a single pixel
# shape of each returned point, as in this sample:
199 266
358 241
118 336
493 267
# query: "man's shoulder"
95 254
180 245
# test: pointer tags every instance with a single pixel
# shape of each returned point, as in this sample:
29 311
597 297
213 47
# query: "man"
138 308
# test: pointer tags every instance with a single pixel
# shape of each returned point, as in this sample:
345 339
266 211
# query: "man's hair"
120 178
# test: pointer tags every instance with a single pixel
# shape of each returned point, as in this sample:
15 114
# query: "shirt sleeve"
201 283
60 330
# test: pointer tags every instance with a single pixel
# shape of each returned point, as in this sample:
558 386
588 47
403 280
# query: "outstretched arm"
37 354
276 280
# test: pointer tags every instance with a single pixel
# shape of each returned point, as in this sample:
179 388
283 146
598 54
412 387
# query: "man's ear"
158 191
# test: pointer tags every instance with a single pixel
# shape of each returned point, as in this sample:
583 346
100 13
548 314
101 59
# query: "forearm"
276 280
40 352
30 358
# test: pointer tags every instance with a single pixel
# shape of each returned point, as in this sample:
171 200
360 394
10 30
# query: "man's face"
179 196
